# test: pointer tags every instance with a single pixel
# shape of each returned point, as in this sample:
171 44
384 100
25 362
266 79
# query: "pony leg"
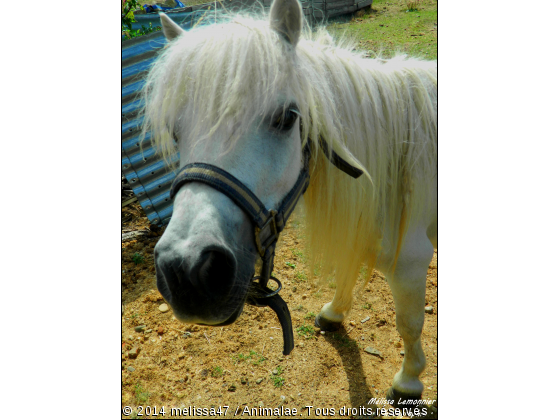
333 313
408 285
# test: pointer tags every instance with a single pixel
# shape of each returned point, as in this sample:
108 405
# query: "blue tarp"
157 8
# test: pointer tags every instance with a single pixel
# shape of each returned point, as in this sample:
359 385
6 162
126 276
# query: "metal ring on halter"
257 288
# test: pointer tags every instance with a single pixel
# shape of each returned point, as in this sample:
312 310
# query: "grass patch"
310 315
137 258
300 276
255 358
363 273
297 253
342 340
412 6
390 28
142 395
217 372
306 331
290 264
240 358
277 380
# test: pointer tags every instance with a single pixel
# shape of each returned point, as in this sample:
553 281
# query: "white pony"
249 96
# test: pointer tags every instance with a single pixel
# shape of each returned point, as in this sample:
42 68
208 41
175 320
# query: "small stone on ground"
371 350
133 353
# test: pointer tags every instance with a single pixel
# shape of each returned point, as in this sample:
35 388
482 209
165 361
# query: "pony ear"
286 18
170 29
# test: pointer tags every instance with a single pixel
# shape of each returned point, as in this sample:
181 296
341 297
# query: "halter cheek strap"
337 161
268 223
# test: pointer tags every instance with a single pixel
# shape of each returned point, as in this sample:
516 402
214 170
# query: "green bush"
127 19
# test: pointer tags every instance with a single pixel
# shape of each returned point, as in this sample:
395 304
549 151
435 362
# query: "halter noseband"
268 223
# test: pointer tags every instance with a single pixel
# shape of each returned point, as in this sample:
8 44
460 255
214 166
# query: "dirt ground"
175 365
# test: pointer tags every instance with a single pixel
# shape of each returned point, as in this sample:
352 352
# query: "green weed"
137 258
301 276
412 6
257 359
253 356
297 253
277 380
343 340
310 315
363 272
306 331
142 395
217 372
127 19
240 358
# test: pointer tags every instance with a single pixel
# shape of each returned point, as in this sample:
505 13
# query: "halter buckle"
256 291
269 227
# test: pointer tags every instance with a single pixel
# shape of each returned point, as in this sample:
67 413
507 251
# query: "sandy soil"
183 366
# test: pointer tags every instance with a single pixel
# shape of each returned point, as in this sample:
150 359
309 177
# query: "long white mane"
380 115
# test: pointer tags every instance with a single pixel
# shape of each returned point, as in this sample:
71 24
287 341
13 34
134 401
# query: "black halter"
268 224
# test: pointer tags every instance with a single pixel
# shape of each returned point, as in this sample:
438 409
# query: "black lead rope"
259 296
268 224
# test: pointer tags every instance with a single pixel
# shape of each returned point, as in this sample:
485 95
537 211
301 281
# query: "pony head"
224 95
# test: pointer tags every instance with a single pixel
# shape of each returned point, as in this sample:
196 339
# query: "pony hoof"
401 400
326 325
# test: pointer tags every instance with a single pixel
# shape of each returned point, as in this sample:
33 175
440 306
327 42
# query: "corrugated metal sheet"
145 171
319 9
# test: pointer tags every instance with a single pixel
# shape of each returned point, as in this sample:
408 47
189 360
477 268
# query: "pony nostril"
215 272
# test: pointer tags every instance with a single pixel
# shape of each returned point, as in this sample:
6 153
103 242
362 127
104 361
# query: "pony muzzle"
199 283
214 272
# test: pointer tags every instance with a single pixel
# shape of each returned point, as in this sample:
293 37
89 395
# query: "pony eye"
285 120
